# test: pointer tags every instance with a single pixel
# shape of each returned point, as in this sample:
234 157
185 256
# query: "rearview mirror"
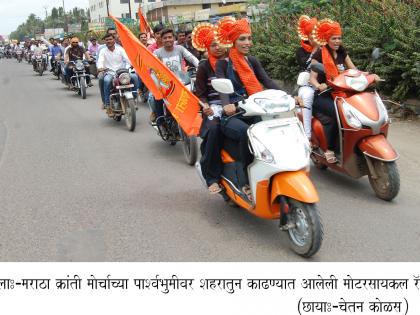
376 53
318 68
224 86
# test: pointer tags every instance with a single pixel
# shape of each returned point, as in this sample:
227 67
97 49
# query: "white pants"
306 93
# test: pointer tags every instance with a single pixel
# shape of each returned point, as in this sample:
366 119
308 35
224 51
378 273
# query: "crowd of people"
216 51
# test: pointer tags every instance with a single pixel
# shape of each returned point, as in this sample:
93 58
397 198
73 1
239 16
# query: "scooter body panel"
296 185
378 147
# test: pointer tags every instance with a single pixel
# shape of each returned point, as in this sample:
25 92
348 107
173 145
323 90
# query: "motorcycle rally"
251 142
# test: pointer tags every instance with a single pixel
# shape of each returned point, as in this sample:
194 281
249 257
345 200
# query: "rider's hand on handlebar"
229 109
377 78
207 110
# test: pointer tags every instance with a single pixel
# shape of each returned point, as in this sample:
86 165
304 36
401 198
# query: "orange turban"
304 29
325 29
305 26
227 32
202 37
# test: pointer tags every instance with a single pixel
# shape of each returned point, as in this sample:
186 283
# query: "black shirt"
339 61
76 53
204 89
303 58
262 77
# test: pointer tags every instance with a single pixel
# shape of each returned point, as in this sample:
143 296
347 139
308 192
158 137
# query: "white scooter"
278 176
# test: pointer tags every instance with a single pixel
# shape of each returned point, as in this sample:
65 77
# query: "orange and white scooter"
363 128
278 178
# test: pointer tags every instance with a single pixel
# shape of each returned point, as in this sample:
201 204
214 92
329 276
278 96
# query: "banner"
183 104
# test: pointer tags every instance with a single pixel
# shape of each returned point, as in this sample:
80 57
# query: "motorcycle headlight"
261 152
124 78
381 107
351 116
79 65
276 106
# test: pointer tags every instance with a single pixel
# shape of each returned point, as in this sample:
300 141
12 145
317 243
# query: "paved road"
76 186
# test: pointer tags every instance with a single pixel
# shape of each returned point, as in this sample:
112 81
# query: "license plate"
119 87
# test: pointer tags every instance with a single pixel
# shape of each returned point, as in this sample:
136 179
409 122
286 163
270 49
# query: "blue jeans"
107 85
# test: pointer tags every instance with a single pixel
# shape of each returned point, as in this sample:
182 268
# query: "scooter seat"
231 148
119 71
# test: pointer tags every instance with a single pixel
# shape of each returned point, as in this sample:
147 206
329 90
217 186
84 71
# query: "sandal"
330 156
247 191
214 188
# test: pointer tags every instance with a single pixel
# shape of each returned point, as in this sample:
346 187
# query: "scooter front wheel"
387 182
306 230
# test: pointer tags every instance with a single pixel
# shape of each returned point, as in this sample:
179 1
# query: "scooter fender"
296 185
378 147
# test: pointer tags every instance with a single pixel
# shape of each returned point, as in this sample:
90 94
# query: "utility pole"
107 7
46 12
129 8
65 19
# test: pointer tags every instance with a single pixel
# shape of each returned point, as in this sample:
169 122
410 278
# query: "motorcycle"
1 54
19 55
56 67
28 56
168 128
78 80
40 62
123 101
278 176
362 140
92 66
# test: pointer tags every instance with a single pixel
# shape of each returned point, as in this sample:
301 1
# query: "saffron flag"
181 102
144 25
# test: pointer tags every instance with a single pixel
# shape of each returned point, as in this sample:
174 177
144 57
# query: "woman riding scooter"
211 162
248 77
304 54
333 56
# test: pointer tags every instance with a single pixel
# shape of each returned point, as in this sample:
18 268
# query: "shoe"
330 157
153 117
90 84
214 189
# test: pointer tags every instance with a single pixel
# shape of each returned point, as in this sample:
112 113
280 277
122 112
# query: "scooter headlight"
124 78
381 107
351 116
260 151
359 83
276 106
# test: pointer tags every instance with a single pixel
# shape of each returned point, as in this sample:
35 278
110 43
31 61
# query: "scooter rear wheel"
307 231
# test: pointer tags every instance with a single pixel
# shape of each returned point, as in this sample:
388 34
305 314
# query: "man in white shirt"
113 58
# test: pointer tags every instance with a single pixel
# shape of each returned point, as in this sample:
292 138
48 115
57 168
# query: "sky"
15 12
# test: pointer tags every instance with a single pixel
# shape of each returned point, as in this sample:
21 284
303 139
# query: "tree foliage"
56 19
391 25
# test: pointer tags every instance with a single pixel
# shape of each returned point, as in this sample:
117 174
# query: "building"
100 9
166 11
186 11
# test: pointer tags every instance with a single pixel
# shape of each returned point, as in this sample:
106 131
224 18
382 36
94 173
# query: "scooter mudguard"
378 147
296 185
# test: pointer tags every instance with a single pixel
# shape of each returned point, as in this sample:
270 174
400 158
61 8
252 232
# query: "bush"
391 25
